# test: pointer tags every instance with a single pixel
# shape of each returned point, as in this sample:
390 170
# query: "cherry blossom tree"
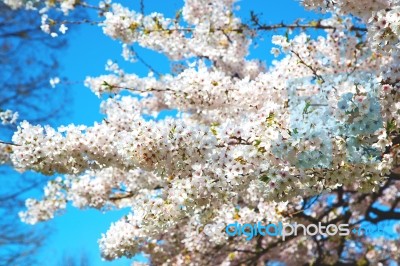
311 139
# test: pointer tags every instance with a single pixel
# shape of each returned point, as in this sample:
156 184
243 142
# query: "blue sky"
77 231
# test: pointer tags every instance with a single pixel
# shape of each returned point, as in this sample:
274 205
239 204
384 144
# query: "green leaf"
257 142
306 108
270 119
172 132
390 126
265 179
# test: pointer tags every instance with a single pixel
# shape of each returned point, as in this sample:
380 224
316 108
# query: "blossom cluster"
385 30
214 25
382 17
8 117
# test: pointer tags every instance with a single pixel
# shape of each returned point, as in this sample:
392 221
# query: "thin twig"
8 143
317 26
308 66
141 7
141 60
